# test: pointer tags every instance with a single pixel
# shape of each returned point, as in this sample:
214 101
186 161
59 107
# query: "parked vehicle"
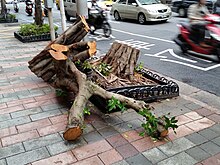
9 1
98 20
181 6
15 5
141 10
29 7
186 39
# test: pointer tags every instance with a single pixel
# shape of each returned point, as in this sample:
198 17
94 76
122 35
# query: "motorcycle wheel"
107 29
184 47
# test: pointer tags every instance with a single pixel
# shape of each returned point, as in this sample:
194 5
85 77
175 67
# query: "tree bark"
38 13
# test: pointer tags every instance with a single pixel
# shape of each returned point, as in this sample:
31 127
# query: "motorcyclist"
15 5
196 13
27 2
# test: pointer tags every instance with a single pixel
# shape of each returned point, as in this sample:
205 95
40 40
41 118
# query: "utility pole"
62 14
82 8
50 19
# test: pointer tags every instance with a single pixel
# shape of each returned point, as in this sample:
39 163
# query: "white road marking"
136 44
139 35
192 66
114 21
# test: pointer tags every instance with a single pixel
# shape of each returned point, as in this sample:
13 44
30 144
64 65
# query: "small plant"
151 124
60 93
114 103
86 111
104 69
33 29
86 65
11 16
139 67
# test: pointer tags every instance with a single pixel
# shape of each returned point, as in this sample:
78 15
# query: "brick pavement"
32 122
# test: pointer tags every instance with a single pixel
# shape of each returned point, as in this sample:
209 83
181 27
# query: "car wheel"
117 16
182 12
141 18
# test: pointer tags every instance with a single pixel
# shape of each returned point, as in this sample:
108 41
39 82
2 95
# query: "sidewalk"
32 122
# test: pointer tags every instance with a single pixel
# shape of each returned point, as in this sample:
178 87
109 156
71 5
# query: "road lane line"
138 35
192 66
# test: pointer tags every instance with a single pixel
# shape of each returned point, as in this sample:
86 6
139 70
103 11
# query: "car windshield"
148 2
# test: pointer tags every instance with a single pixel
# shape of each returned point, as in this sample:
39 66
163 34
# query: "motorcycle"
16 8
29 8
186 39
98 20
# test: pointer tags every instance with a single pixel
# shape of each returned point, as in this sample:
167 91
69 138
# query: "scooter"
98 20
29 8
186 39
16 8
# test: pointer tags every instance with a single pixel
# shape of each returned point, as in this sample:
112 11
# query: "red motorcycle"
188 45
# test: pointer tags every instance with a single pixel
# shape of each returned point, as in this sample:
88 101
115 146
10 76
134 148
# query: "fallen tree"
64 64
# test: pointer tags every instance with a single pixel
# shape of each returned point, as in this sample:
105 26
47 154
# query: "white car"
141 10
9 1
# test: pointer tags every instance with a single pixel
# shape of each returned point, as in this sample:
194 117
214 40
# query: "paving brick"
63 146
42 141
154 155
91 149
122 127
176 146
5 100
51 107
216 141
204 112
61 159
110 157
200 124
216 128
181 131
37 103
193 115
98 124
107 131
8 131
20 102
122 162
214 117
129 116
92 137
117 140
127 150
182 119
58 119
208 134
52 129
3 162
131 135
210 147
46 114
5 117
3 105
193 106
181 158
214 160
47 96
113 120
197 153
196 138
28 157
33 125
88 128
19 137
138 159
11 150
11 109
90 161
13 122
26 112
143 144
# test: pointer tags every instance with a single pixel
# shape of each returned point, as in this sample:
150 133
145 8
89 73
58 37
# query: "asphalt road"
158 51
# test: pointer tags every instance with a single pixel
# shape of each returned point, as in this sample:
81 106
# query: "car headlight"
151 11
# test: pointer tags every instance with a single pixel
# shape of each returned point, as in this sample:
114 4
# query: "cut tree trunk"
56 65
